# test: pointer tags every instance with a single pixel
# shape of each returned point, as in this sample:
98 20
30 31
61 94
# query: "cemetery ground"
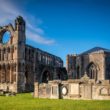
26 101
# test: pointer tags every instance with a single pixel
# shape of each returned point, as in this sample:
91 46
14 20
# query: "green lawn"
27 102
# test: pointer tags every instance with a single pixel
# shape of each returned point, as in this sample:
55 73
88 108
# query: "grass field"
27 102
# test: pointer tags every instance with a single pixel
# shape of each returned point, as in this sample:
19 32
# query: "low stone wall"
8 87
74 89
50 90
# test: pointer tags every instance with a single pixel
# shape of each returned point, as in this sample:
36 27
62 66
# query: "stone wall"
74 89
96 63
47 90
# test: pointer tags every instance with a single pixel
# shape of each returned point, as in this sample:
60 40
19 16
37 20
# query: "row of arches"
6 53
7 49
42 57
91 70
8 73
48 59
56 74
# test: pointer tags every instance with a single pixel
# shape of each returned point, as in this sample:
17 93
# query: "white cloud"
39 39
35 29
8 12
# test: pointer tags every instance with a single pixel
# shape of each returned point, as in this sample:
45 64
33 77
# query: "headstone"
74 88
104 91
55 90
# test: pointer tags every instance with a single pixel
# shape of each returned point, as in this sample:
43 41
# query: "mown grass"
27 102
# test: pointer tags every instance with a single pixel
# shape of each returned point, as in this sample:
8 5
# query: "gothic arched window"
92 71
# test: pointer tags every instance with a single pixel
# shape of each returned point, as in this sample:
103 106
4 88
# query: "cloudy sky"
61 26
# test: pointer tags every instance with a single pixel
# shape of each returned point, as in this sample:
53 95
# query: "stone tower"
20 45
12 56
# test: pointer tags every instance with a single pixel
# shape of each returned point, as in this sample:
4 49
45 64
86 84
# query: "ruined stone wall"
74 89
21 64
37 62
100 60
9 59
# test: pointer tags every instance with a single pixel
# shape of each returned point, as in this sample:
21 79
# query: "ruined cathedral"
21 65
88 78
94 62
24 68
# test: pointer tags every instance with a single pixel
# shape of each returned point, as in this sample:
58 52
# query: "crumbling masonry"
21 65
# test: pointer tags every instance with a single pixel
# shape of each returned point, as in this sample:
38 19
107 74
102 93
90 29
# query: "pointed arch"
46 75
92 70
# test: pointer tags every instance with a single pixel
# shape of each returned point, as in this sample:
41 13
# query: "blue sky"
61 27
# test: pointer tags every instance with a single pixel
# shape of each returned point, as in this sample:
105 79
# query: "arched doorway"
26 77
92 71
45 76
27 68
27 82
